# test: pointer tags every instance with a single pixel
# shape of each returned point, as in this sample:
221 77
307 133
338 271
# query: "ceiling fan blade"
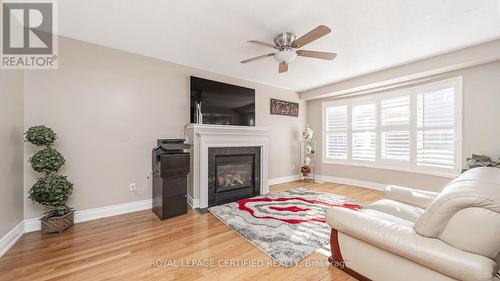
316 54
283 68
262 44
311 36
257 58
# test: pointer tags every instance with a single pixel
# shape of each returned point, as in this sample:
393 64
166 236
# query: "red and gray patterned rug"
288 226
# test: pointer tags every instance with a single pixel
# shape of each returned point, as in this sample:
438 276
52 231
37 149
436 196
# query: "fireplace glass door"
232 175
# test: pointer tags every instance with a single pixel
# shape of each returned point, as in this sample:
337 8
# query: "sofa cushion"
397 209
415 197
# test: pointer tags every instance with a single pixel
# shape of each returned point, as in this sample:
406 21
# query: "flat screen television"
219 103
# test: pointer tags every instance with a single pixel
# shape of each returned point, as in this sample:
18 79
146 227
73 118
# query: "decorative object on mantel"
481 160
295 218
52 190
280 107
307 147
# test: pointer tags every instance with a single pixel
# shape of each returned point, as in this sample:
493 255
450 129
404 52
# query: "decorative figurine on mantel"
307 154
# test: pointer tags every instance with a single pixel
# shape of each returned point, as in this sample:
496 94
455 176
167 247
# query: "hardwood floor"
123 248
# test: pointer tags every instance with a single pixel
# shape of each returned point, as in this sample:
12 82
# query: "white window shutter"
363 117
395 111
336 145
364 134
416 129
336 117
336 132
395 136
396 145
363 146
435 128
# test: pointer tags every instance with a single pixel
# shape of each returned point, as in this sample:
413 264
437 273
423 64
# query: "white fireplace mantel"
202 137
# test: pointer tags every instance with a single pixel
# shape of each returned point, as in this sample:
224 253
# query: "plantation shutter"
336 132
364 132
415 129
435 128
395 128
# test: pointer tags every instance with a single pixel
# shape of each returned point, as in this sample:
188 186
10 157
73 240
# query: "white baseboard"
349 181
9 239
31 225
97 213
194 203
283 179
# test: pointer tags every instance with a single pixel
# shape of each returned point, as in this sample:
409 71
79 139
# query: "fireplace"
233 174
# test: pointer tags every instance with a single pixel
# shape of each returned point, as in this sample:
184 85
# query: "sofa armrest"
415 197
402 240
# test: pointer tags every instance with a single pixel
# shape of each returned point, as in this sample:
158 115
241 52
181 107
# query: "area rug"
288 225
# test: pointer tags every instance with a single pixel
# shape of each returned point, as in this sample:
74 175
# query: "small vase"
307 160
308 148
308 133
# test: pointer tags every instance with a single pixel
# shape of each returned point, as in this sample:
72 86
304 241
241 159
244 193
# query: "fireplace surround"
233 174
203 137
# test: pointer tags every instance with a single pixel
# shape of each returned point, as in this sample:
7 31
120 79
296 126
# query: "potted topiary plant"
481 160
52 191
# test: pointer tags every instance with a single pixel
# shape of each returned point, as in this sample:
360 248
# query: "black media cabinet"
170 170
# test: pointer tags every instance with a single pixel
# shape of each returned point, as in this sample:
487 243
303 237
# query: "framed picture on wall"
287 108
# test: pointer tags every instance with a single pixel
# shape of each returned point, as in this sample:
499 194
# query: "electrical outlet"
148 183
132 187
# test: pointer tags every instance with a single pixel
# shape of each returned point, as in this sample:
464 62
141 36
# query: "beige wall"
480 132
108 108
11 150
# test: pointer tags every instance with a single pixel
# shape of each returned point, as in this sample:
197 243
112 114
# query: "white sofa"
418 235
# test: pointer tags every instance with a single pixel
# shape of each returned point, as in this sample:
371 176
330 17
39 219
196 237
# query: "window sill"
445 174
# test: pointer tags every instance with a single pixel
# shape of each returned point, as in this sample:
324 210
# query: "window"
364 124
336 133
395 128
416 129
435 128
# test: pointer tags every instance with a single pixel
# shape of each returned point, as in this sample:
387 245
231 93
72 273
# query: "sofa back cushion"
466 214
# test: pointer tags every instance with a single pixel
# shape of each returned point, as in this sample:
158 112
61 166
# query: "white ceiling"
211 34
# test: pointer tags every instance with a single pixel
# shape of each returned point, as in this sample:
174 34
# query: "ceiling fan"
287 45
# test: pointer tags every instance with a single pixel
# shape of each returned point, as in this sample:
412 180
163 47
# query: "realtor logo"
28 40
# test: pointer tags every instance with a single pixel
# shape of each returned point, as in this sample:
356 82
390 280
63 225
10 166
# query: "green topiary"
47 160
52 191
40 135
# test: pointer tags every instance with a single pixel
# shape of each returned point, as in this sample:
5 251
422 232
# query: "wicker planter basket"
58 224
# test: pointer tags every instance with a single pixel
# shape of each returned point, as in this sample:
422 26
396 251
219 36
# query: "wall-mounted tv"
219 103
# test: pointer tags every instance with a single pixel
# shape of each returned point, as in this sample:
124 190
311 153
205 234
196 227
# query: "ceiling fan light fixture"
285 56
288 45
